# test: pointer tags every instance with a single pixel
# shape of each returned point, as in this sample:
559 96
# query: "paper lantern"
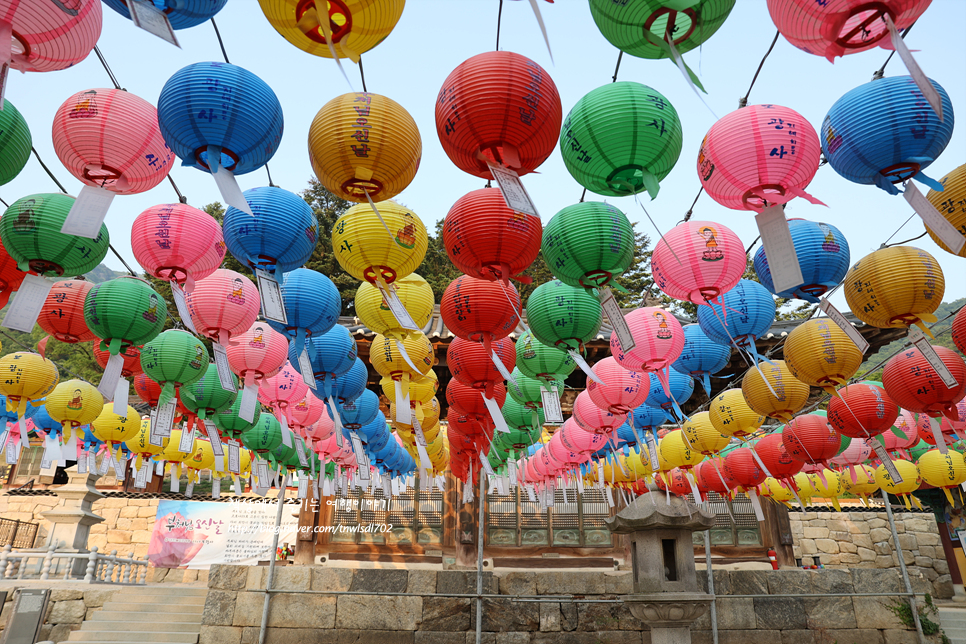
480 310
175 358
611 154
498 107
622 391
62 315
220 109
698 261
124 312
701 434
471 365
202 457
659 340
356 26
757 156
257 353
526 390
223 304
112 427
731 415
862 411
229 421
671 395
539 361
331 354
468 401
701 356
946 471
823 258
182 14
312 306
30 231
487 239
73 403
388 361
710 476
860 482
364 144
47 38
950 202
364 249
592 418
857 451
283 391
563 316
677 452
774 455
177 242
905 431
265 436
882 133
744 314
520 417
352 383
641 29
141 446
959 330
740 466
413 291
811 439
911 480
589 244
915 385
279 235
841 27
650 418
132 359
820 354
11 277
359 412
206 397
785 396
15 142
109 139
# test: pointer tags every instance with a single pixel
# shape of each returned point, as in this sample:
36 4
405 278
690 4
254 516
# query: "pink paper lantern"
110 139
306 413
911 426
834 28
712 261
223 304
560 452
950 425
283 391
622 390
592 418
857 452
47 36
327 446
177 242
759 154
575 439
257 353
322 430
658 341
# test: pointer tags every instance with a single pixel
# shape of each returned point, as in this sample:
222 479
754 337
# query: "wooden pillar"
776 532
467 526
451 501
307 537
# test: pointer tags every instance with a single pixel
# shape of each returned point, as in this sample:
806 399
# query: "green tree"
436 267
328 208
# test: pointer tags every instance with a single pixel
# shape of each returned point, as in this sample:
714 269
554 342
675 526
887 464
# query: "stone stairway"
953 622
151 614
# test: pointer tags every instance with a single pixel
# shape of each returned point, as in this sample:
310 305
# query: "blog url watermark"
255 528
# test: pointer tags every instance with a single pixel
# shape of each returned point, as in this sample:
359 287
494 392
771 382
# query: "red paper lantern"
810 439
741 467
478 310
959 330
862 411
471 365
132 359
10 276
63 313
487 239
913 383
715 480
469 401
773 454
499 107
147 389
677 481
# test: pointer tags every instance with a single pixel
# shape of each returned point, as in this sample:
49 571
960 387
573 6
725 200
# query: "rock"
220 635
854 636
780 613
832 612
299 578
847 547
940 566
518 583
885 561
919 525
421 582
445 614
335 579
292 611
96 598
118 536
430 637
908 542
379 581
816 533
225 577
568 617
883 548
736 614
549 617
790 582
827 546
129 512
900 637
619 583
597 617
861 527
64 595
880 535
928 539
848 558
875 612
749 582
512 638
59 633
808 546
876 581
798 637
570 583
866 555
504 615
219 608
374 612
924 562
457 582
943 587
71 611
928 551
862 541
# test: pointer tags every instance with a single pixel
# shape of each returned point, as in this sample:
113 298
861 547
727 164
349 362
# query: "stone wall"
232 614
864 540
67 609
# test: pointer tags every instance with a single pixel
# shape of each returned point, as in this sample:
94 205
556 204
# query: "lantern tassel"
798 192
299 344
167 394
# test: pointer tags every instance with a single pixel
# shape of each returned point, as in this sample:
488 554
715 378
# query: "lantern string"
47 170
107 67
617 69
4 203
362 75
118 255
881 71
269 172
885 244
742 102
181 197
924 233
220 43
499 19
687 215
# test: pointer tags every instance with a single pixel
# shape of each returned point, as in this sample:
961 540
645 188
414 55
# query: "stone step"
193 617
143 607
160 599
134 627
167 590
156 637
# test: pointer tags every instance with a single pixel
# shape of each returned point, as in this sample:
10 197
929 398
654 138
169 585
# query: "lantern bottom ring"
757 198
360 187
671 23
171 273
879 11
627 179
900 172
42 267
101 174
568 344
815 290
228 153
596 279
387 274
906 319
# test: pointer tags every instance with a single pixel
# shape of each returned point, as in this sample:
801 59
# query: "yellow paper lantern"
367 252
944 471
951 204
895 288
786 395
26 376
676 452
911 480
73 403
140 444
171 453
860 481
201 458
777 491
615 473
421 389
640 461
355 26
804 486
388 360
427 414
731 415
114 428
820 354
828 484
702 435
414 292
363 143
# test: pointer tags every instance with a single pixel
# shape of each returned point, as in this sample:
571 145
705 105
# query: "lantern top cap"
645 514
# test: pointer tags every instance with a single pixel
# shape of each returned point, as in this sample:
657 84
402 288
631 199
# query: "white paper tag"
932 218
141 479
228 187
928 91
652 452
504 373
159 470
270 294
303 487
45 461
514 194
495 414
189 489
87 213
151 19
112 373
425 463
418 430
286 432
182 306
187 443
579 359
122 395
4 75
485 462
836 316
756 505
396 307
165 419
305 367
216 445
119 469
880 451
216 488
552 411
24 309
246 410
610 496
530 494
13 451
225 376
919 339
300 452
613 311
580 484
786 274
404 413
360 456
937 435
234 457
82 464
262 474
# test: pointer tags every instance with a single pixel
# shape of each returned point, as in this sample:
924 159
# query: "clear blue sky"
434 36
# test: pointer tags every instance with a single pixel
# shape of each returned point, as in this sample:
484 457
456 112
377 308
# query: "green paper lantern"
174 359
230 423
282 454
588 244
30 231
206 397
621 139
265 436
15 143
563 316
537 360
526 391
124 312
520 417
640 28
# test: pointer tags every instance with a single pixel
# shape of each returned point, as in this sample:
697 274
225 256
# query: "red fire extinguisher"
773 558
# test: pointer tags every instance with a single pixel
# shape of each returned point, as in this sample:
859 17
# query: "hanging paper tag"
106 460
933 219
187 443
273 307
4 74
922 82
300 452
761 464
151 19
937 435
511 472
216 488
13 451
225 376
27 302
514 194
418 430
303 487
616 317
182 306
119 469
880 451
552 411
159 470
121 395
305 367
530 494
262 474
504 373
141 480
175 482
228 186
82 464
246 410
776 238
165 419
87 213
836 316
495 414
756 505
610 497
919 339
45 460
485 462
112 374
579 359
652 452
360 455
403 411
189 489
91 461
216 445
424 460
396 307
234 457
286 432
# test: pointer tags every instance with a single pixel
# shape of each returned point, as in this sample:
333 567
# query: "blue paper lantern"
278 236
360 412
221 110
650 418
42 420
312 306
701 356
823 255
745 313
378 442
626 436
375 427
885 132
350 385
332 354
681 387
182 14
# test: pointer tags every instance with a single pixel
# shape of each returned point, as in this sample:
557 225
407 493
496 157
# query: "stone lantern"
666 594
